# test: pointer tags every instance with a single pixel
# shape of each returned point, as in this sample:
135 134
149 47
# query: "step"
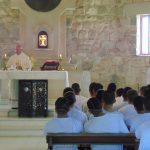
22 127
23 143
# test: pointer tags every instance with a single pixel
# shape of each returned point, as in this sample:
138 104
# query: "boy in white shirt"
129 110
104 123
74 112
63 123
143 133
143 117
80 100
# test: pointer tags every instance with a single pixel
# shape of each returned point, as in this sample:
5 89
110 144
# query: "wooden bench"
92 138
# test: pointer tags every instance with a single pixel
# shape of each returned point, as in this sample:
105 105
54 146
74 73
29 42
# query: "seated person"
142 90
143 133
104 123
74 112
63 123
125 100
80 100
119 98
139 120
19 61
129 110
139 107
111 87
108 99
93 88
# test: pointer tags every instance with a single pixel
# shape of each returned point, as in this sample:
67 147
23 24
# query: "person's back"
125 101
143 117
63 124
143 134
119 99
77 114
80 100
138 105
69 95
104 123
129 110
108 99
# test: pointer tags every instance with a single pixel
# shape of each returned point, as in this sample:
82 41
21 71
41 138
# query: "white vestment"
19 60
108 123
63 125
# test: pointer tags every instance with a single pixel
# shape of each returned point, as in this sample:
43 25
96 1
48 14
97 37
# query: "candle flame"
60 56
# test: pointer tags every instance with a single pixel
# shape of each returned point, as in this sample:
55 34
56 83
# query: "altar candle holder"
5 59
60 62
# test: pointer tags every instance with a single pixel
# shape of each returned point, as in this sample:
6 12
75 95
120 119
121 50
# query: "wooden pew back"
91 138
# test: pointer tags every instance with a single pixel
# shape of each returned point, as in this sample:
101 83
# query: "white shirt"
63 125
22 60
117 106
139 121
108 123
130 120
118 103
143 133
128 111
77 114
80 101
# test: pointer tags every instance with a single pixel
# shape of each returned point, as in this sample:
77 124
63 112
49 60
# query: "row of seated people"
102 113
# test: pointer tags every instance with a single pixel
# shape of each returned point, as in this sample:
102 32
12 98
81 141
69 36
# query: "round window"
43 5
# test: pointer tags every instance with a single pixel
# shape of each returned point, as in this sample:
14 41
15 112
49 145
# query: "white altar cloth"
35 75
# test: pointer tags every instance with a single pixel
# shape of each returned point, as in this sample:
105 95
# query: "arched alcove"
42 39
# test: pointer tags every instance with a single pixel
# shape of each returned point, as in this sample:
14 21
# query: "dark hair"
108 97
94 87
126 89
147 91
119 92
111 87
131 94
147 103
67 89
138 103
61 105
99 95
76 88
99 86
142 90
94 104
70 97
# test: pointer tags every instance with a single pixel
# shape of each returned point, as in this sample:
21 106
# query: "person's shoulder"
142 128
136 122
24 54
80 97
124 108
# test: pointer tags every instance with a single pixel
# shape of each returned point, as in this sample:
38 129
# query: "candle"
5 55
60 56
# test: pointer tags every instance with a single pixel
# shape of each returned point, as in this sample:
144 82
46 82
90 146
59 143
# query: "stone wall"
100 38
9 28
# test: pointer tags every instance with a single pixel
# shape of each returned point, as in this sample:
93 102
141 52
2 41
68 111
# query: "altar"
32 80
